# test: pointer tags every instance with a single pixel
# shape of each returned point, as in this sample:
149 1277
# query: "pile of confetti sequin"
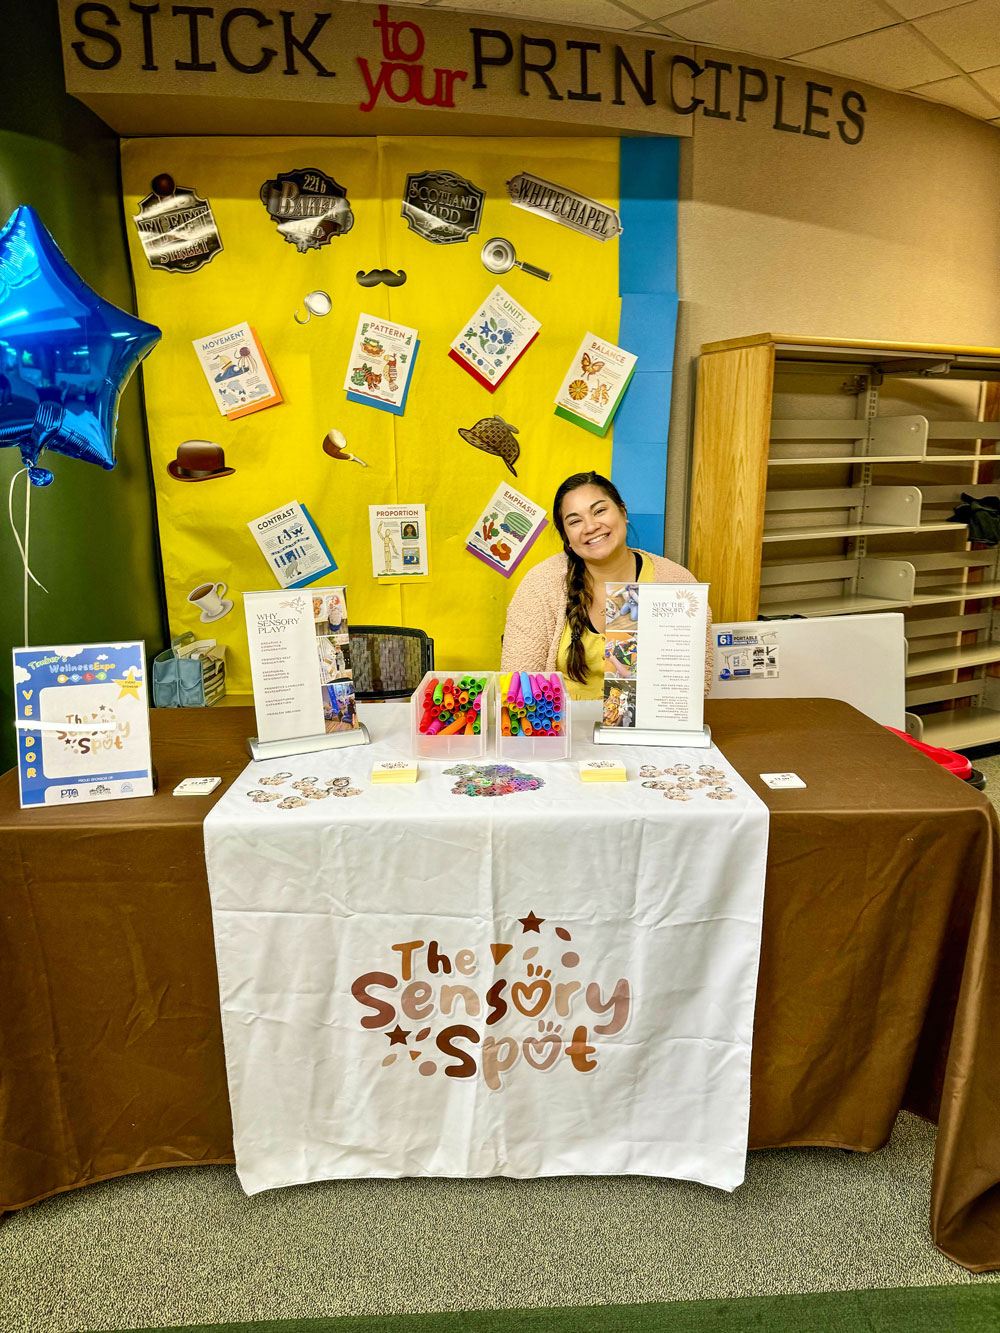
490 780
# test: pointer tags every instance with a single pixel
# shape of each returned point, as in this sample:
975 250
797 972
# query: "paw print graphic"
536 970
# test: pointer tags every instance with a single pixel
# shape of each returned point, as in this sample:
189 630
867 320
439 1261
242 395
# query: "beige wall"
895 238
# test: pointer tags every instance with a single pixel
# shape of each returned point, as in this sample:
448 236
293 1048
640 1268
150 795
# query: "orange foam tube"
453 727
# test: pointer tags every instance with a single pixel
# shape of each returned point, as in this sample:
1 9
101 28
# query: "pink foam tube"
435 727
477 703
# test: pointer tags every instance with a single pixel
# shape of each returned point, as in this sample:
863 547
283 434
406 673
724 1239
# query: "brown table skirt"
878 982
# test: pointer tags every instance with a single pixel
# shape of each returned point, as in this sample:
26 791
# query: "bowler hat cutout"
199 460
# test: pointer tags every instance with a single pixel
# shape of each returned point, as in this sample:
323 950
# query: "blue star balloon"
65 353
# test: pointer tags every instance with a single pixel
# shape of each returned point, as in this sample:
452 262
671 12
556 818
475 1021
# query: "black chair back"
388 661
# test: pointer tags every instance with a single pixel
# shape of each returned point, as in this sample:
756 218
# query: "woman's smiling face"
594 525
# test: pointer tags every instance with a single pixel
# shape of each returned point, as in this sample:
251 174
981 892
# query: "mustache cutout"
377 275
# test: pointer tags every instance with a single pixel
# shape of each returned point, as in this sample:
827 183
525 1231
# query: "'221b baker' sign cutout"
309 207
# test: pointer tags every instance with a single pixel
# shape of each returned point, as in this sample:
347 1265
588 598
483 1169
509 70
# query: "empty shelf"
921 560
963 430
961 728
935 694
822 462
956 592
845 605
959 458
856 530
951 659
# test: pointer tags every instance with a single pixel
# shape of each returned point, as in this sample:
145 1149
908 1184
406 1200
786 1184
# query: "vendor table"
879 983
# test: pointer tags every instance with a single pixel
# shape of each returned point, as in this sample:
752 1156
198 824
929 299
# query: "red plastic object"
954 763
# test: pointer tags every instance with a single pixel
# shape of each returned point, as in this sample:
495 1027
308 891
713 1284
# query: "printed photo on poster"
82 721
621 654
333 650
398 542
236 371
619 702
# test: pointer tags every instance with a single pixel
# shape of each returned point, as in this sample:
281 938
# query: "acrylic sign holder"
335 740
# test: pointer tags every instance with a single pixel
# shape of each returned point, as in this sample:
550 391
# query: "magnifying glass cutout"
499 256
316 303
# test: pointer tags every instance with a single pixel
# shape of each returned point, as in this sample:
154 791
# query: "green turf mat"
973 1308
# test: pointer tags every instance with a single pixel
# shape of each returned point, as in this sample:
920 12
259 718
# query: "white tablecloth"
418 982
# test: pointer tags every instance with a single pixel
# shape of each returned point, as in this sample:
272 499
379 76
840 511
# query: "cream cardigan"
536 615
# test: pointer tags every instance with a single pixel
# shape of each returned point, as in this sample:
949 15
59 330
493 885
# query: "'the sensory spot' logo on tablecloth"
431 1006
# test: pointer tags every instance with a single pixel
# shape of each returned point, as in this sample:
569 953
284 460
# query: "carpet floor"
187 1246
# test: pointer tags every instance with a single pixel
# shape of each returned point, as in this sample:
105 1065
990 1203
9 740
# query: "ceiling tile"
912 9
661 9
959 92
989 79
893 58
969 34
594 13
776 28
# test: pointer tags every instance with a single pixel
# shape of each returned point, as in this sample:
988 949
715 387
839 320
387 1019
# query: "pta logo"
399 76
68 793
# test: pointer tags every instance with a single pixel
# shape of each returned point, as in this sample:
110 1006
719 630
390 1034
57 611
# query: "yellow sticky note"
602 770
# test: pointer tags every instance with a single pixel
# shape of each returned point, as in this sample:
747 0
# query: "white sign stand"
655 655
286 632
335 740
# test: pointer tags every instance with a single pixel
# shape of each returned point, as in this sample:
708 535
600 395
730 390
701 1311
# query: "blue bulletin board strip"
647 283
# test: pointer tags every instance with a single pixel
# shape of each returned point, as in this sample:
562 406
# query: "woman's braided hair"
578 589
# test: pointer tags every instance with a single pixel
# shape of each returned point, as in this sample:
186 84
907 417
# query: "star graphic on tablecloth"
397 1037
130 687
531 922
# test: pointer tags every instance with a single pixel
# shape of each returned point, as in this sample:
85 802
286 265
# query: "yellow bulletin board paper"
260 278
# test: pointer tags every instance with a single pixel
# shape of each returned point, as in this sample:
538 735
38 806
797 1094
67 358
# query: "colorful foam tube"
455 726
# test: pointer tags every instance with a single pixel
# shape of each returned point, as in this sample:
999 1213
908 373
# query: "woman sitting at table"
556 618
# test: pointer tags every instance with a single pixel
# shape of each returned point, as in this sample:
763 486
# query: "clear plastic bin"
523 748
457 745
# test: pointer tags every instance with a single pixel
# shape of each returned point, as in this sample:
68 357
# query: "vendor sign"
82 718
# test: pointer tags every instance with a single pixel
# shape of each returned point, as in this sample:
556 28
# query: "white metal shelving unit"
856 519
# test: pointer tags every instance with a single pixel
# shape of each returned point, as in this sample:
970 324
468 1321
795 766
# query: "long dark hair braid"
578 588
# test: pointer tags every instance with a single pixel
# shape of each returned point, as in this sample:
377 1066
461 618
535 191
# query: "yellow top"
593 644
